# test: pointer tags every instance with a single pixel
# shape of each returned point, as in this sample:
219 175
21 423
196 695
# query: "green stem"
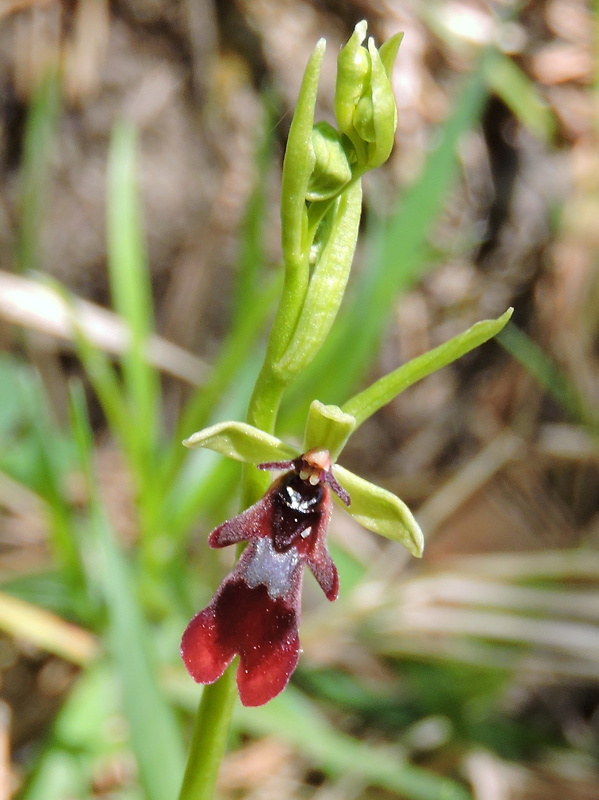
262 413
216 706
209 738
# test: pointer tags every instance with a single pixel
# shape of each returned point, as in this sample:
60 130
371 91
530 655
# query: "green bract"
335 247
299 161
364 404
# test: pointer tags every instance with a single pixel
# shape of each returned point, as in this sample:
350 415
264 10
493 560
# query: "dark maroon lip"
256 611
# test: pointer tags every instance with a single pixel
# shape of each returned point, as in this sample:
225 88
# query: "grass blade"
546 372
155 736
505 79
292 717
39 139
131 289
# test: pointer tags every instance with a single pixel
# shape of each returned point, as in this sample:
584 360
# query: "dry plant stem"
6 778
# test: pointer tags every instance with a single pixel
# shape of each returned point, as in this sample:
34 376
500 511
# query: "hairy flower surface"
255 612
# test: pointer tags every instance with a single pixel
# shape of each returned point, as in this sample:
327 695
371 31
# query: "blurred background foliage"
141 147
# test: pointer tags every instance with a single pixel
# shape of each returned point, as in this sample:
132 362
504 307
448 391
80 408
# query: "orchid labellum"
256 611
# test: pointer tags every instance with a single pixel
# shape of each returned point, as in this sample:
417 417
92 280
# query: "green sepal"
242 442
388 52
353 73
327 427
381 511
381 127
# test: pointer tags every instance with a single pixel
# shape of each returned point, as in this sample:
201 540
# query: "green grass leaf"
40 136
155 736
293 718
505 79
131 288
548 374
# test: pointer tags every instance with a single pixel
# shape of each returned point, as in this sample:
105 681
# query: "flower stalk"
209 739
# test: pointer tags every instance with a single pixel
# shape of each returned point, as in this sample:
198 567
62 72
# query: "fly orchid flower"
256 611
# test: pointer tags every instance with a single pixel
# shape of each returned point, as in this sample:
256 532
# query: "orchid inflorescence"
256 611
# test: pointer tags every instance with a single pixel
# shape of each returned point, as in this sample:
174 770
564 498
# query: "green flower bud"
364 119
353 74
332 170
364 102
382 111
